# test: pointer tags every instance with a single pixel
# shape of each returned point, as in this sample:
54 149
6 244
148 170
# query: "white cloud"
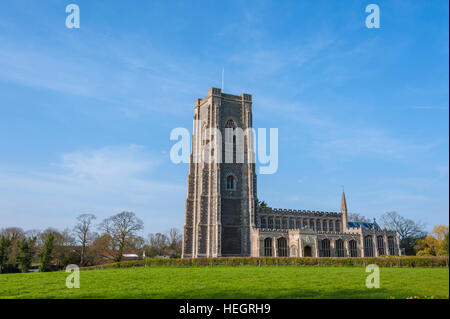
103 181
108 163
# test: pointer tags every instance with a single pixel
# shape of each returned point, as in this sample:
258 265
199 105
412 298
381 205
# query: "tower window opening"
230 182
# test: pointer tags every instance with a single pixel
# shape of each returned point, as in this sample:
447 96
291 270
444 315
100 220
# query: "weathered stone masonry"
222 216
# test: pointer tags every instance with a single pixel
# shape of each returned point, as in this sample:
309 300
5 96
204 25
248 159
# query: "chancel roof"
363 225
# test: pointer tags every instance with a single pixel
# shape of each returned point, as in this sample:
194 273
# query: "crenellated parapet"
296 212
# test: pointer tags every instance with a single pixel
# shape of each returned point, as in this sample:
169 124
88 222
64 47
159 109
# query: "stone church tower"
221 194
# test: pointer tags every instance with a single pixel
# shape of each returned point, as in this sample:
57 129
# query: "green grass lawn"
230 282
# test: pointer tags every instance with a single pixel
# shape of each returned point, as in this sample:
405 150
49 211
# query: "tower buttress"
221 197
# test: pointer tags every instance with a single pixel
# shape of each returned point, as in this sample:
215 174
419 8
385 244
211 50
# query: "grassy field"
230 282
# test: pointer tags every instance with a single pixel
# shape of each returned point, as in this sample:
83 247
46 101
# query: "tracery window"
282 247
325 248
391 246
230 137
268 247
368 246
353 248
380 245
339 248
229 124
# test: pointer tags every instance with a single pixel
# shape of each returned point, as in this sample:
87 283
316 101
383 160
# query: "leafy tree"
63 243
70 258
428 246
445 245
409 232
262 204
25 253
14 235
5 244
439 232
46 255
122 228
83 233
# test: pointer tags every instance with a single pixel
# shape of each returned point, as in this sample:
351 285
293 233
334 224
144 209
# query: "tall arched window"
282 247
230 182
353 248
284 223
331 226
318 225
338 226
268 247
325 248
325 225
311 224
391 246
380 245
229 132
368 246
340 248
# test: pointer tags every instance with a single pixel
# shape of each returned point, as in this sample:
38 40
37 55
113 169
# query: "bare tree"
32 233
83 233
353 217
175 240
158 242
122 228
96 252
408 231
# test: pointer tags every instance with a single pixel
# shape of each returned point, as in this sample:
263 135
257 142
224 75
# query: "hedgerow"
281 261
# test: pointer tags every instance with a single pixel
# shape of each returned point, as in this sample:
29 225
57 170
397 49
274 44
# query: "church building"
223 217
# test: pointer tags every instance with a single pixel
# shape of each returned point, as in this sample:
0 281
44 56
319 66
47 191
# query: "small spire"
343 202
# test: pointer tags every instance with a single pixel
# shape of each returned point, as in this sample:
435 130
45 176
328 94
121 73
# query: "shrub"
274 261
46 256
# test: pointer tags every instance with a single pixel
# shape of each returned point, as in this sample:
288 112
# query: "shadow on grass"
289 293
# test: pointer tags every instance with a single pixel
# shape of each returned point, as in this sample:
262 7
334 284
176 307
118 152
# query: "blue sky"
86 114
